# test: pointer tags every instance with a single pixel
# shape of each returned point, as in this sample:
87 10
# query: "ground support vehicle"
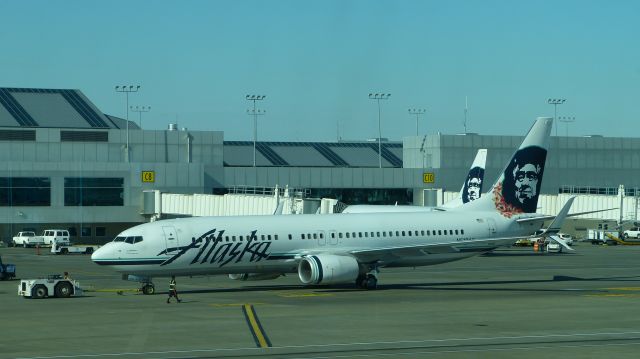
61 236
553 247
599 236
52 286
68 248
27 239
7 271
631 233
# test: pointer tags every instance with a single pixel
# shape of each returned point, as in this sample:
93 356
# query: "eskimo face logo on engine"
519 190
210 249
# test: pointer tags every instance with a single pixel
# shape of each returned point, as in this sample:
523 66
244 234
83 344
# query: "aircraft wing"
549 217
389 254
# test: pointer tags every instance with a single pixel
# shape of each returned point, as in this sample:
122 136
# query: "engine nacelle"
328 269
254 276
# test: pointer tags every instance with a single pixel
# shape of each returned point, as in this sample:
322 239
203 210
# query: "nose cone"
100 255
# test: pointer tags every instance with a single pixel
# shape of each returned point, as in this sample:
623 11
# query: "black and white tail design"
518 188
472 186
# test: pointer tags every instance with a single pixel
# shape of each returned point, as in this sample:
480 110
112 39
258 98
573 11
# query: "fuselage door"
321 236
332 238
171 238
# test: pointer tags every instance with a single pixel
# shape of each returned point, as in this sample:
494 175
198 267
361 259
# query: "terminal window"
84 191
25 191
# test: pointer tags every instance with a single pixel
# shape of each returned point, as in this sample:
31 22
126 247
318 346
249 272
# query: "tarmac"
512 302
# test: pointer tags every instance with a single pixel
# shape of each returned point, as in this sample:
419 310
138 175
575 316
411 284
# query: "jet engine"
328 269
254 276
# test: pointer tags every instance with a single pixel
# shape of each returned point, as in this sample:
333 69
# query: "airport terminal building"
65 164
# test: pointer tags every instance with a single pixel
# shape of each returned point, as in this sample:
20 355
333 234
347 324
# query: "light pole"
378 97
255 114
140 110
566 120
417 112
555 102
127 89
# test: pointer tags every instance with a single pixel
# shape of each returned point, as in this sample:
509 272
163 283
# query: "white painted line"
548 336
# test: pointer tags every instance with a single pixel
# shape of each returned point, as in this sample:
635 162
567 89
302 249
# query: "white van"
60 236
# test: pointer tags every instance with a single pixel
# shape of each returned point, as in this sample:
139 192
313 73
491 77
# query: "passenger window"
377 234
302 235
456 232
340 235
333 235
275 237
290 237
233 238
439 232
59 233
462 231
397 234
321 235
347 234
315 236
360 234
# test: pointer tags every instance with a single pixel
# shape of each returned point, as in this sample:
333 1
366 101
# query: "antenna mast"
466 109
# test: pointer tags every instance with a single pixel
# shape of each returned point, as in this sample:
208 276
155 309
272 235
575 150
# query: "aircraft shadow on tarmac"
445 285
421 286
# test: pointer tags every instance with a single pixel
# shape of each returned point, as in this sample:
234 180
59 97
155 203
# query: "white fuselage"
261 244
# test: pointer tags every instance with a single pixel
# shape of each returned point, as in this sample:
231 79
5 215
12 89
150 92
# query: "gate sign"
148 176
428 177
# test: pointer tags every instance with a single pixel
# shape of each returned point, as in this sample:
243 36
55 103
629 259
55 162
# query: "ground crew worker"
66 275
172 290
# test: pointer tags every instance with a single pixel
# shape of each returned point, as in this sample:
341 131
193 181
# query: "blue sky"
317 61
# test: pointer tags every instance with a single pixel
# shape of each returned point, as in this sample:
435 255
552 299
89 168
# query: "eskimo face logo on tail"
473 185
521 182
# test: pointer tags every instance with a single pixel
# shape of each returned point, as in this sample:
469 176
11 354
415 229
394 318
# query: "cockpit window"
119 239
137 239
129 240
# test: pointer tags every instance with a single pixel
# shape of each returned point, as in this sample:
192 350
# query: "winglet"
279 208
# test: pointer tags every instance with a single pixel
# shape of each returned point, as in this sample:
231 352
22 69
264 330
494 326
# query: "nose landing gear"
148 288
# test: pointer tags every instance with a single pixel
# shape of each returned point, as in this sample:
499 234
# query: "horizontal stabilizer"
556 224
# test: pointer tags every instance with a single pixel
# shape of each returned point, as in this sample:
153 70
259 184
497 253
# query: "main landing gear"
368 281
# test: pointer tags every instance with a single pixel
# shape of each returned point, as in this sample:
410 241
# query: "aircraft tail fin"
518 187
472 186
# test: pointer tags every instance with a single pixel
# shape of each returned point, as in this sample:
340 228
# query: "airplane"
470 191
336 249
